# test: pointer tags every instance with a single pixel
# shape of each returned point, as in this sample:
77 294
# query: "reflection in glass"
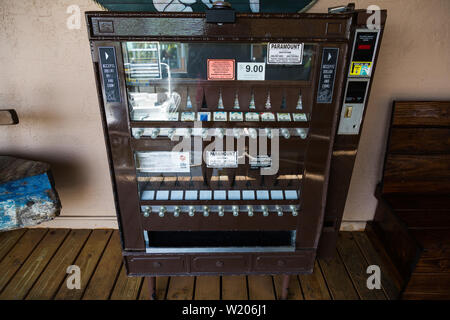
158 74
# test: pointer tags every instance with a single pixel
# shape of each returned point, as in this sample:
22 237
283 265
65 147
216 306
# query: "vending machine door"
220 134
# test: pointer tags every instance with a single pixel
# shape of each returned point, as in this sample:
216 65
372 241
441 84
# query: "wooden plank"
260 287
417 174
51 278
399 244
294 290
18 254
356 266
8 240
419 141
207 288
161 289
425 218
101 284
181 288
12 168
313 285
87 262
431 240
434 261
413 113
389 281
412 202
234 288
126 288
337 278
24 279
429 283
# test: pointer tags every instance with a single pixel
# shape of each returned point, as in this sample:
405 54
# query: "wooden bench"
413 214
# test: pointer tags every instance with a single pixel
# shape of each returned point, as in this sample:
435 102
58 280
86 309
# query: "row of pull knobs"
220 133
220 211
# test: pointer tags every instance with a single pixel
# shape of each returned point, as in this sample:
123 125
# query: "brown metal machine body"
218 215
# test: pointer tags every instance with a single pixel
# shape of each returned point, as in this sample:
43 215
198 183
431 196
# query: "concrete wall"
46 75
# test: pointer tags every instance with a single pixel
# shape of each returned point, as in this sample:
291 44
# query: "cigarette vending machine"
231 137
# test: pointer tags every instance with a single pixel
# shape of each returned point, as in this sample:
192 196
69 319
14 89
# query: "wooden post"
285 287
152 287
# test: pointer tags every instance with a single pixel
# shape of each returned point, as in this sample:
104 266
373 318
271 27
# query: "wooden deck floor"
33 265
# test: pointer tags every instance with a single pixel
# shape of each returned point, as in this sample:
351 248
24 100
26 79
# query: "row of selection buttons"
173 133
176 211
192 195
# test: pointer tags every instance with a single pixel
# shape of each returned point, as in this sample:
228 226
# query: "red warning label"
221 69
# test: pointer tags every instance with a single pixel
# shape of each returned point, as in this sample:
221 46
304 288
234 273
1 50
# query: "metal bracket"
8 117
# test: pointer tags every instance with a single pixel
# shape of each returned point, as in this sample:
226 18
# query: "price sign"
251 71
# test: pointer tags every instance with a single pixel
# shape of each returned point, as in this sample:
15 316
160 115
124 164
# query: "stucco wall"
46 75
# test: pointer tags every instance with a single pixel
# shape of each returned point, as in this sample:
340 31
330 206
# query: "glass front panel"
221 125
161 79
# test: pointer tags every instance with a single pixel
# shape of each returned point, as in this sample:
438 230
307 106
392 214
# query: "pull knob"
191 211
235 210
237 133
162 211
302 132
293 210
146 212
265 211
205 211
176 211
252 133
187 132
279 211
171 134
268 133
220 132
204 133
155 133
221 211
250 211
286 134
137 133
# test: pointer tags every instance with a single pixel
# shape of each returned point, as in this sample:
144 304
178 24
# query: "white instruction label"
284 53
163 161
221 159
251 71
261 161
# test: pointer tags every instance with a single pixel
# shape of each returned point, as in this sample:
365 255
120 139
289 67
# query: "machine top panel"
119 26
